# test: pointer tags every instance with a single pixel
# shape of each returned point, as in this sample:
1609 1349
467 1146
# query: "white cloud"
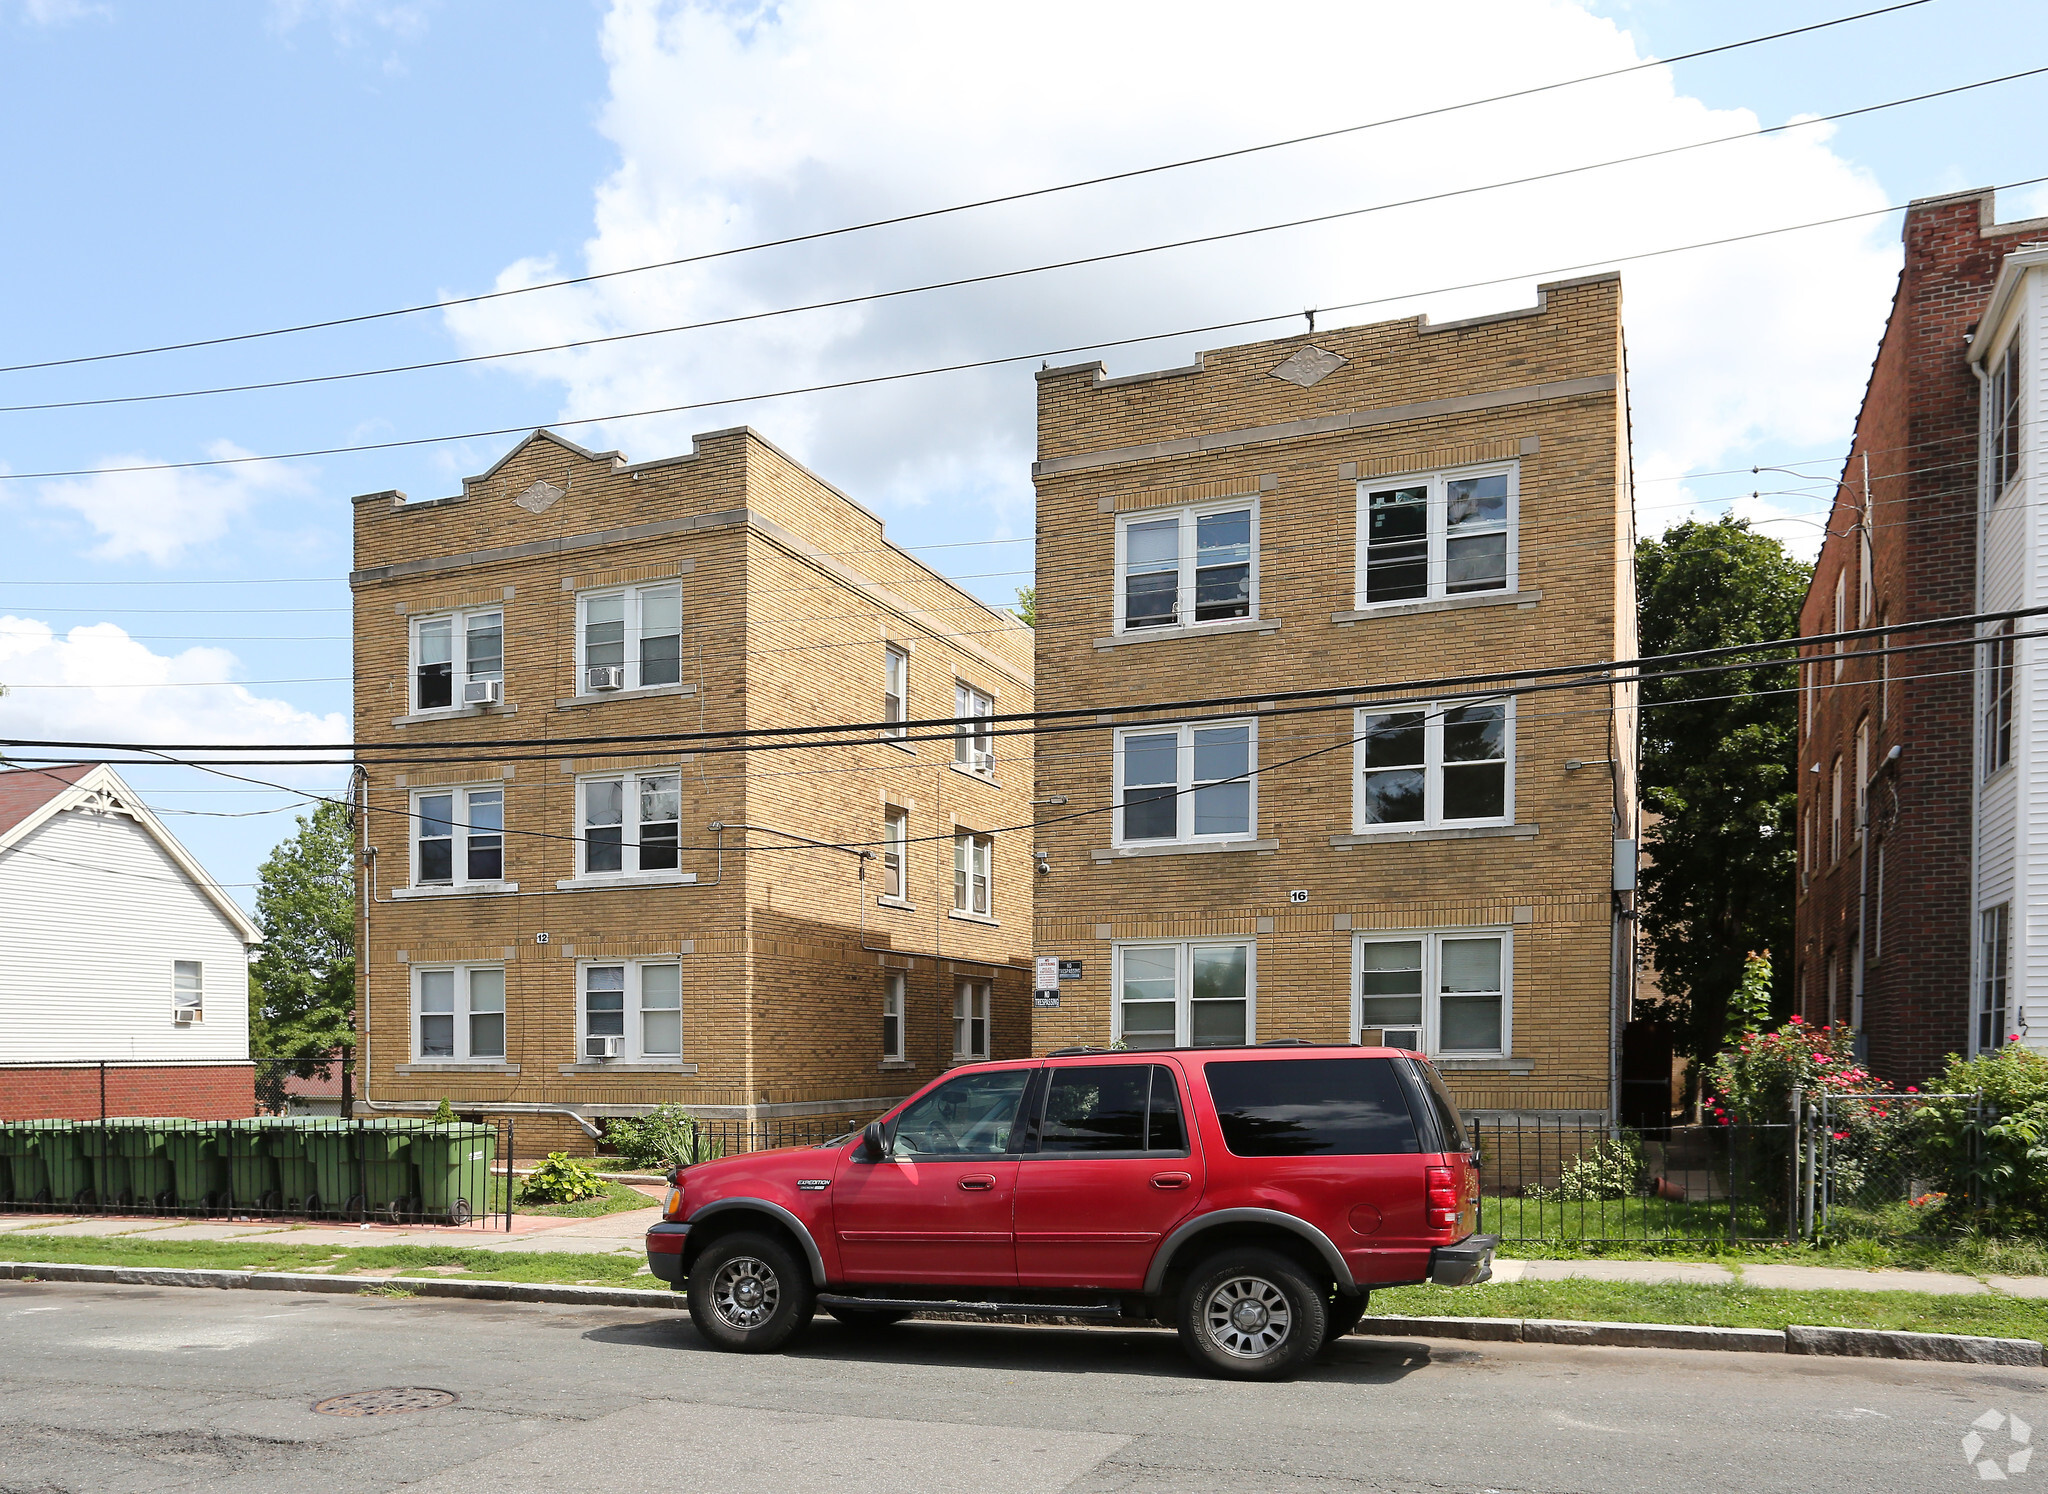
62 12
348 20
738 124
160 515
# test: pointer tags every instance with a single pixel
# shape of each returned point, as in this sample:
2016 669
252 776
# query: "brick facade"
224 1091
1296 430
790 594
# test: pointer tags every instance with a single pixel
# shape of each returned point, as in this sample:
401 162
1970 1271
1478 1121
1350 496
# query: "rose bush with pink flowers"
1752 1081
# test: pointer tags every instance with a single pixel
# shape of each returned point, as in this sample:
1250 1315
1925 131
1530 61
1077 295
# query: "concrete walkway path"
1796 1278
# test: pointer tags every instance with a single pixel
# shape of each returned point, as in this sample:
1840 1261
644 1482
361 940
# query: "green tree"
1026 610
302 992
1718 771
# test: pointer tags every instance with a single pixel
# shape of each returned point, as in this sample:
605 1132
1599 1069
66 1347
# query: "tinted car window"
1096 1110
1446 1108
972 1116
1310 1107
1164 1132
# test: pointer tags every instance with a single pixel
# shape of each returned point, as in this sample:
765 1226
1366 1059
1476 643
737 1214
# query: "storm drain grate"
385 1402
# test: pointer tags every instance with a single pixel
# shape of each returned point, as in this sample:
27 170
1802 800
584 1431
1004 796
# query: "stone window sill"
454 1066
886 901
1192 630
626 879
1193 848
966 917
899 746
629 1066
1485 1065
601 697
455 713
966 772
464 889
1451 832
896 1066
1440 604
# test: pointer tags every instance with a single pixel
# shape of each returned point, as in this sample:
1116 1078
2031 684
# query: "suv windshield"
971 1116
1311 1107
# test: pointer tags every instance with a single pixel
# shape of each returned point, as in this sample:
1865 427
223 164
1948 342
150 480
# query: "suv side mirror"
874 1142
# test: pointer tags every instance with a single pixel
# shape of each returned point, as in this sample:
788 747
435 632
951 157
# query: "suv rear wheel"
748 1292
1251 1314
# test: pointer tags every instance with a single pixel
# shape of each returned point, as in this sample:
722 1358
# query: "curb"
347 1286
1856 1343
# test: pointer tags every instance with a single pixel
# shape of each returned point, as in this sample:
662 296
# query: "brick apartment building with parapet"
1906 861
1336 512
575 903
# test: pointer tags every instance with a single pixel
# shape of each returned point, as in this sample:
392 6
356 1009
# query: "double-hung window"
893 982
895 690
1994 941
1183 566
1436 535
458 659
1437 993
2003 414
1181 995
459 1013
631 823
974 742
458 837
1186 783
970 1020
1835 811
633 1011
1998 682
972 857
1433 766
188 991
630 639
895 851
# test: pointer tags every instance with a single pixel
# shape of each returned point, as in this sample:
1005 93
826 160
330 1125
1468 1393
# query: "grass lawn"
1721 1306
1968 1255
616 1199
550 1266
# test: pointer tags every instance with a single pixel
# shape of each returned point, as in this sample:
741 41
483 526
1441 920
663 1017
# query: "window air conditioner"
603 1047
482 692
185 1016
606 677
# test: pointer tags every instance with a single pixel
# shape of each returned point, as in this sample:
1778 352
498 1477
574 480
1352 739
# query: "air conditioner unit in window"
606 677
603 1047
482 692
185 1016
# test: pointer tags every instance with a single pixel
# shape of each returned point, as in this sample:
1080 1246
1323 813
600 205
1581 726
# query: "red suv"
1250 1196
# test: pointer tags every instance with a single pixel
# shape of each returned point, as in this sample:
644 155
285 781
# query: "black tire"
311 1206
459 1212
84 1199
750 1293
354 1209
1252 1314
867 1319
1343 1313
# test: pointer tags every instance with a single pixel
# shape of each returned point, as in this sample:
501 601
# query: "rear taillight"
1442 1204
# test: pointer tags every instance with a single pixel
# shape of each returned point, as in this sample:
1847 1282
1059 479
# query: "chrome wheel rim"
745 1292
1247 1317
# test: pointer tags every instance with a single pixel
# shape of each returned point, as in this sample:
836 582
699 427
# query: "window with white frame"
629 639
188 991
633 1011
1437 993
1437 534
1437 765
970 1020
458 836
2003 417
895 851
895 690
974 743
1862 777
1835 811
458 1013
1186 783
893 983
458 659
631 823
1184 994
1994 945
1180 567
1998 684
973 857
1841 617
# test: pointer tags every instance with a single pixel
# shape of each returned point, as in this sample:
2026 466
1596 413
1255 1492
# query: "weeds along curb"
1863 1343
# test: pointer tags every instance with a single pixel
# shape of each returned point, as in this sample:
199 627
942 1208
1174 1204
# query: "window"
459 1014
971 856
893 982
1994 955
895 690
2003 418
1440 765
973 1115
1184 995
1442 534
970 1020
1884 668
630 639
895 852
1841 615
1312 1107
1862 777
459 837
1112 1108
1437 993
456 649
633 1011
631 824
974 745
188 991
1998 674
1177 567
1185 783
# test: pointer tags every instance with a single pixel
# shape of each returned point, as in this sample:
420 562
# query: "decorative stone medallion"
542 495
1310 365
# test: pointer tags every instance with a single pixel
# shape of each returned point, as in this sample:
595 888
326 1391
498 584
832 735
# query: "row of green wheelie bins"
308 1165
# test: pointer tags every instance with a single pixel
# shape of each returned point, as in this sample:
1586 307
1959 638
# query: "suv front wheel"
749 1292
1251 1315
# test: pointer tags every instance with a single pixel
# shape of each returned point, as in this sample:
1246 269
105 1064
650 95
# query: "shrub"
1752 1080
664 1138
1995 1149
1613 1169
561 1179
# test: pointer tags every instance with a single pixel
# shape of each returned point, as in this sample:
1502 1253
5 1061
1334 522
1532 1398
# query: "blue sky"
184 171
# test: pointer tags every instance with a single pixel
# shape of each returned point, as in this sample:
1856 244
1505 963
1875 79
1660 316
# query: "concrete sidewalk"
1795 1278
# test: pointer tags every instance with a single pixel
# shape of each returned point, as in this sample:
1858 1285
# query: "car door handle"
976 1180
1170 1180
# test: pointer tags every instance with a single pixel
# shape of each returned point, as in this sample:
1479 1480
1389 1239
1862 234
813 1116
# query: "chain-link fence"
1890 1165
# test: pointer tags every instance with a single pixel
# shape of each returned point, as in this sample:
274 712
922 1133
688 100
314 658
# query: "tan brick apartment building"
1356 507
565 915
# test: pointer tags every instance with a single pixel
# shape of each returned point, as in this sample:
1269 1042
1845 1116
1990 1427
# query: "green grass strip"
558 1267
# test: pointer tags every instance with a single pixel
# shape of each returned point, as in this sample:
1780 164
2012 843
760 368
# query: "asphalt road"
111 1390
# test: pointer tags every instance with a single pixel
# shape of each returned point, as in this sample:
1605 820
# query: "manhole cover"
384 1402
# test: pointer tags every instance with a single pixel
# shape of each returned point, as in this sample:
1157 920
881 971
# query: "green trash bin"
385 1167
149 1163
66 1171
100 1144
28 1179
199 1171
297 1185
252 1170
454 1165
331 1153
